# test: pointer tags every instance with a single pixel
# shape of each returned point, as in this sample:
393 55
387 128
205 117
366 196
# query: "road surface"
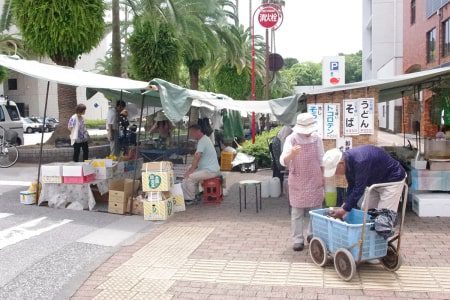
47 253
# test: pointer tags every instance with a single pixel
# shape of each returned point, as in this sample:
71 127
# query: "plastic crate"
338 234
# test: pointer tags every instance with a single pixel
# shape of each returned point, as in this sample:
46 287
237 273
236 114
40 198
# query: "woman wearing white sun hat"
302 154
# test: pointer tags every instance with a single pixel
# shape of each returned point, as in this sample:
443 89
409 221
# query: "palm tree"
62 31
116 43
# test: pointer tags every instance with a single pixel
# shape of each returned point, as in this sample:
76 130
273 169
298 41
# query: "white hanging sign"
366 113
351 124
331 120
344 143
317 111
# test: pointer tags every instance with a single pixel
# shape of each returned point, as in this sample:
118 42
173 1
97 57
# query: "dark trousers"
76 151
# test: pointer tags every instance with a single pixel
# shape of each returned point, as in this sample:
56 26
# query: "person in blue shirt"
364 166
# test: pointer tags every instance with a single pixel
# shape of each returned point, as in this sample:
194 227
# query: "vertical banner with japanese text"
317 111
351 123
366 113
331 128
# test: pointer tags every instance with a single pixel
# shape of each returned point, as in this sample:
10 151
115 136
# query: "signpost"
270 16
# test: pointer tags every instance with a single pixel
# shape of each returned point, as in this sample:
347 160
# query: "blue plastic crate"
337 234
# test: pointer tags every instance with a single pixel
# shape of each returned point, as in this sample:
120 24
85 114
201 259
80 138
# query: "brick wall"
414 36
338 97
31 155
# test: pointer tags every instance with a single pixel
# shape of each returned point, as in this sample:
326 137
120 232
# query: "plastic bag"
242 158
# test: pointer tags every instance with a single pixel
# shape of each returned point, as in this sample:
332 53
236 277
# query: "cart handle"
367 191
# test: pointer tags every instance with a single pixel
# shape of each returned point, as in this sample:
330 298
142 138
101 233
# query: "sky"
313 29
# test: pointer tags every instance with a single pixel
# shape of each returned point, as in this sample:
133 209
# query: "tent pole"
187 135
38 188
137 152
403 118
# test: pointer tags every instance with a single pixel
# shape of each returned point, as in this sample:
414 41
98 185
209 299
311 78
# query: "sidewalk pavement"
215 252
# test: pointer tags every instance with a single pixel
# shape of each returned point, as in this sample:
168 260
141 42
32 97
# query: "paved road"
47 253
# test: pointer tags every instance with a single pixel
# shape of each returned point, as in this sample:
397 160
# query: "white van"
10 118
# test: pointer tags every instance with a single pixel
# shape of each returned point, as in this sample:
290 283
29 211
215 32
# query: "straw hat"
306 124
160 116
330 161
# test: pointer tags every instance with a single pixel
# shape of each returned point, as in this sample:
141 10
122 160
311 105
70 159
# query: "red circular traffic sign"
269 16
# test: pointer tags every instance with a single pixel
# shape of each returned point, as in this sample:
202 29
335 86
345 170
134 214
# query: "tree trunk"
194 74
116 51
67 102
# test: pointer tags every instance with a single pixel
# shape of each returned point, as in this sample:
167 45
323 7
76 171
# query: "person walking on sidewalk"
112 126
78 133
364 166
204 166
302 154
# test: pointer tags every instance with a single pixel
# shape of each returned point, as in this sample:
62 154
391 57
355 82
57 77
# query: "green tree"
61 30
289 62
155 51
353 67
306 73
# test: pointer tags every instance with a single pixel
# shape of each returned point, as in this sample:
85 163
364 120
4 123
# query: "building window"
413 12
12 84
431 45
446 38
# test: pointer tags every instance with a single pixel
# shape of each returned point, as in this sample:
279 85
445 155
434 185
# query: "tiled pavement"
215 252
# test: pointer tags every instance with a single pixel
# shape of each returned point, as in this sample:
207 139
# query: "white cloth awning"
69 76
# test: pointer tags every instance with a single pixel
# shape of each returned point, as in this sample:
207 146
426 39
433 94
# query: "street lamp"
270 16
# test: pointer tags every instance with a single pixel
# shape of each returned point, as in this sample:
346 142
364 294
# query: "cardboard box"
117 207
121 190
157 196
136 206
52 179
157 177
158 210
52 170
78 169
431 204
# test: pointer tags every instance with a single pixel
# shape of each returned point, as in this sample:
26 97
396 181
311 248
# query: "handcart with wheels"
351 242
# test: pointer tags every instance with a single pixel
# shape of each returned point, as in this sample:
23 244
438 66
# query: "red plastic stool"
212 190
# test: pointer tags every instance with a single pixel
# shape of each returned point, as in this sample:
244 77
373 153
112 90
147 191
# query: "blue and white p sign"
334 66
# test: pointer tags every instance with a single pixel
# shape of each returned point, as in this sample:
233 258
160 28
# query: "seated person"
204 166
163 127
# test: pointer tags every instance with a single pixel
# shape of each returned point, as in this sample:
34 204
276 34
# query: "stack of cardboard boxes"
162 196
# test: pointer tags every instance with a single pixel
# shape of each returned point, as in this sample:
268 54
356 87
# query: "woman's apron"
305 176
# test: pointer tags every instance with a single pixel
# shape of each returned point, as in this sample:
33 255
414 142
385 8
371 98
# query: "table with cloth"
79 196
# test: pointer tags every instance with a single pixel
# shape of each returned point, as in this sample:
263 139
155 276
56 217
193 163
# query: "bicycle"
8 152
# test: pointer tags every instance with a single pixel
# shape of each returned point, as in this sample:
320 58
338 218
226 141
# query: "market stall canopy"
175 100
393 87
67 75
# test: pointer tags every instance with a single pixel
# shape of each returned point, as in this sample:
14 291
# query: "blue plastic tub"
337 234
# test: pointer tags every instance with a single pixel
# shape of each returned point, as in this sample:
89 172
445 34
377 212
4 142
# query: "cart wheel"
392 261
318 251
344 263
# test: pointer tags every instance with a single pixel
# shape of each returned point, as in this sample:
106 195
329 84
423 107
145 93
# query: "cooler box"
79 179
157 176
431 204
158 210
27 198
52 173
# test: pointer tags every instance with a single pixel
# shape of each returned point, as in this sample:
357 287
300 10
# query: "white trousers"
384 197
190 184
297 219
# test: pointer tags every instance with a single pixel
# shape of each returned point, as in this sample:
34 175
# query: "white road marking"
13 235
15 183
4 215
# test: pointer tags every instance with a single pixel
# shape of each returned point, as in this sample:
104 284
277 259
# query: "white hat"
306 124
160 116
330 161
